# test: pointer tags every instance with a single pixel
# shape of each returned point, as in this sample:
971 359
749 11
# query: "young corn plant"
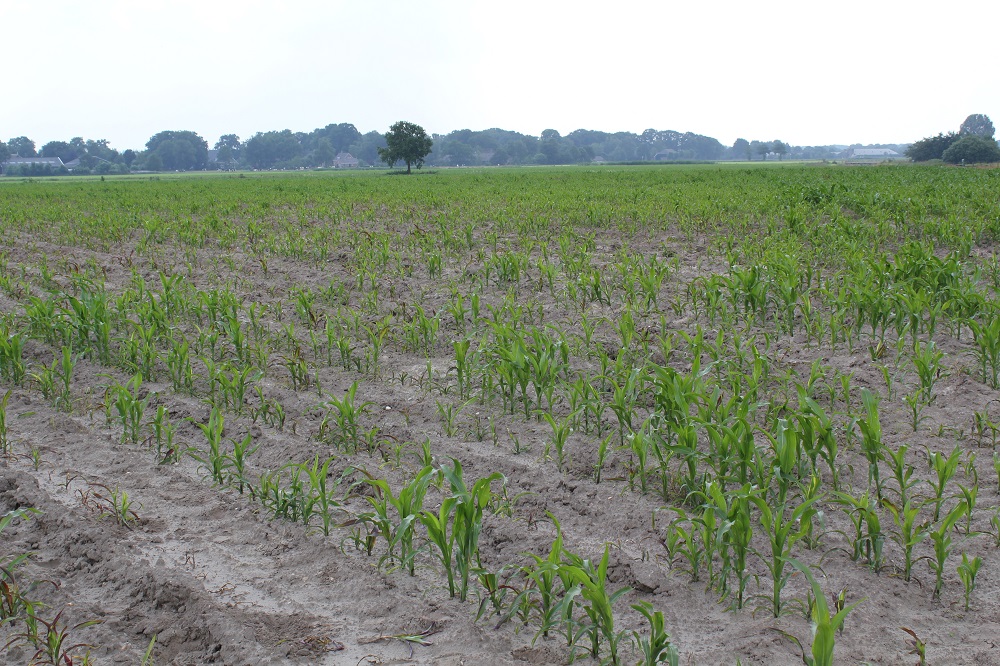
735 533
441 535
341 425
543 596
408 505
214 460
321 495
54 381
986 336
824 626
902 471
685 541
467 519
52 640
598 605
12 366
236 460
125 400
781 533
910 533
944 470
941 537
163 433
179 367
234 386
561 430
6 446
927 361
868 540
967 572
871 438
656 647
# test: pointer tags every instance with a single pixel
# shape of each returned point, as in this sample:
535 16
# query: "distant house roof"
344 160
667 154
49 161
874 152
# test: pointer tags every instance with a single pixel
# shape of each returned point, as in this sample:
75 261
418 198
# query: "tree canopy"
180 150
931 148
265 149
406 142
978 124
971 149
21 146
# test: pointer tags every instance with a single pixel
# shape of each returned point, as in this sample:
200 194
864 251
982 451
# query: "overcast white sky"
806 72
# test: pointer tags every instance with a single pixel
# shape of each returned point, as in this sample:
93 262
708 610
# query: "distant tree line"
185 150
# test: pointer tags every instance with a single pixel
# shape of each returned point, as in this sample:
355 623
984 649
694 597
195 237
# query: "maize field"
601 415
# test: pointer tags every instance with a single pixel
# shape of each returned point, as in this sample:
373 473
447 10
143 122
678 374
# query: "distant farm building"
345 161
54 163
862 155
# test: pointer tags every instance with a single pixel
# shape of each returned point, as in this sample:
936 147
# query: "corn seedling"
51 638
447 411
781 533
902 471
656 647
916 402
967 571
341 424
321 496
969 495
944 470
941 536
824 626
398 533
214 460
6 446
597 602
125 400
179 365
237 460
919 647
467 521
163 433
987 340
12 365
910 532
871 438
109 502
927 361
561 431
868 539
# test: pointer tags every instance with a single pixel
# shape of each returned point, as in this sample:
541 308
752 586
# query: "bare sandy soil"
218 581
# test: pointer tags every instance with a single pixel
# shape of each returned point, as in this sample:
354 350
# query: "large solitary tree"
406 142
